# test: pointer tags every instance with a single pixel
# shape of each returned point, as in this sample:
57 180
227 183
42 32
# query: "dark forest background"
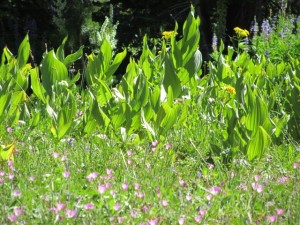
49 21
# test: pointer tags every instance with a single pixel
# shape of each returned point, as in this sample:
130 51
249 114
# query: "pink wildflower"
102 188
17 193
283 179
257 187
117 206
215 190
164 203
125 186
188 197
12 217
198 218
272 218
70 214
88 206
279 211
66 174
153 221
92 176
181 220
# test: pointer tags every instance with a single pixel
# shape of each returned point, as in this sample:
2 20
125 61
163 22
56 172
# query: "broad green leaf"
53 71
70 59
23 52
166 117
66 115
101 118
281 124
258 144
147 126
171 78
105 55
257 116
36 85
7 152
60 53
17 98
4 102
116 63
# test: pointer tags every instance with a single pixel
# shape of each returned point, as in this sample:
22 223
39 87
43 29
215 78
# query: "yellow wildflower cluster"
230 89
168 34
241 32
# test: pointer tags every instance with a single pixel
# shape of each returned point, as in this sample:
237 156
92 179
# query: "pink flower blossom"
113 192
11 176
209 197
164 203
137 186
70 214
139 194
125 186
66 174
256 177
144 208
257 187
198 218
215 190
272 218
12 217
182 183
210 166
31 179
279 211
181 220
109 172
283 179
92 176
120 219
18 211
153 221
188 197
17 193
202 212
60 206
129 153
102 188
64 158
295 165
168 146
88 206
55 155
117 206
133 213
154 143
9 129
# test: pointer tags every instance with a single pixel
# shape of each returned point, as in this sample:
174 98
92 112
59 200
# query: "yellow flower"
168 34
241 32
230 89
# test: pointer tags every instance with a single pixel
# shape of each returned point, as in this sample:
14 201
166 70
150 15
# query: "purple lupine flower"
254 28
214 44
266 29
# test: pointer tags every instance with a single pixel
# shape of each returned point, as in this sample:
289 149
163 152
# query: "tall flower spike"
214 42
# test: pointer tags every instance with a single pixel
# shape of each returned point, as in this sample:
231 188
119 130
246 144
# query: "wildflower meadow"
173 141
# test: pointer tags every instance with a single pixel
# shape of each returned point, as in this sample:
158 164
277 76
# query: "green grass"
145 184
